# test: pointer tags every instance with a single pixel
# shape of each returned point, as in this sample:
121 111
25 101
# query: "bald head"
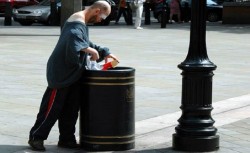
97 12
103 6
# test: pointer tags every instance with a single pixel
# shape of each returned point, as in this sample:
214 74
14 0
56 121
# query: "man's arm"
93 52
103 51
99 53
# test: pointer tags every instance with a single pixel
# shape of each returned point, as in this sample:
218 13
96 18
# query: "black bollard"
195 132
53 21
59 16
129 14
8 13
164 15
147 13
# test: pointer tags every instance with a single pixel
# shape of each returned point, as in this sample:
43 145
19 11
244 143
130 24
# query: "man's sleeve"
74 44
77 43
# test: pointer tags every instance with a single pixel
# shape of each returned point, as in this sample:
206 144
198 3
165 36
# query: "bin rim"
115 69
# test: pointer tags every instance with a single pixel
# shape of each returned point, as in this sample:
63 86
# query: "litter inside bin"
111 64
93 65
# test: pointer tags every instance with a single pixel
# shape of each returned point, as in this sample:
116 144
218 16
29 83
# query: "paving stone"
153 52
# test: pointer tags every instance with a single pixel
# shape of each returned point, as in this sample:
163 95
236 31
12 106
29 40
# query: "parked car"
16 4
213 10
220 2
39 13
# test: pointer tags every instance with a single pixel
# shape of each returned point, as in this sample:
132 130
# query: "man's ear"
97 11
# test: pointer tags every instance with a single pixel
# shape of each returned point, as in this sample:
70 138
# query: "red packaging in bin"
111 64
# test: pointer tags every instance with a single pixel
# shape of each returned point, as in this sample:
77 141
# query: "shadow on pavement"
12 148
55 149
27 149
46 35
160 150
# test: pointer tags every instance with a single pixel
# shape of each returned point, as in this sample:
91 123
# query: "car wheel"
25 23
212 17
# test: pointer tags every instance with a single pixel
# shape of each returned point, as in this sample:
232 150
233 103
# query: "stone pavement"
155 54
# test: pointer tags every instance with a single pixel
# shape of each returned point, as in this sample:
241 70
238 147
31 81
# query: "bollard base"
7 21
195 144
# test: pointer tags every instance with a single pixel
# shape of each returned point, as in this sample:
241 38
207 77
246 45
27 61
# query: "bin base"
107 147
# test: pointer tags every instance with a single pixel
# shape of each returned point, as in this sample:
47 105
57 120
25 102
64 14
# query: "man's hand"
111 56
93 52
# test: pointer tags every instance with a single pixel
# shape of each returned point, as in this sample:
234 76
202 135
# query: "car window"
210 2
47 2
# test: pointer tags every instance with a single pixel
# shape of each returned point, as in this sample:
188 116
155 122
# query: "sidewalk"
155 54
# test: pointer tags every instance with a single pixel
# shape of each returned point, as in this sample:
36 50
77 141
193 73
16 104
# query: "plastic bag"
92 65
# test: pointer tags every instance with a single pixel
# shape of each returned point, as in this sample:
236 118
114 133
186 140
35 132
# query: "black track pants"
58 104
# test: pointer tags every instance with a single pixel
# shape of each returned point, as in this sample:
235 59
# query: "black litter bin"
107 112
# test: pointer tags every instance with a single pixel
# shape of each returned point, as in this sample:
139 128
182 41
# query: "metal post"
8 13
164 15
53 12
147 12
68 8
195 131
129 13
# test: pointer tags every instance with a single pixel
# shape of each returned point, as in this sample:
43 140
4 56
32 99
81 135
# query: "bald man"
64 69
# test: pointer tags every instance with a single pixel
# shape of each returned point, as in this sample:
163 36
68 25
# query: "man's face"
93 19
98 17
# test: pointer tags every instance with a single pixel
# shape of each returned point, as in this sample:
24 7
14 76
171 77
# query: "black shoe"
37 145
68 144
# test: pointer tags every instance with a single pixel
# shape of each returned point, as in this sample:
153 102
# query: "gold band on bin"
107 143
110 78
109 137
108 84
